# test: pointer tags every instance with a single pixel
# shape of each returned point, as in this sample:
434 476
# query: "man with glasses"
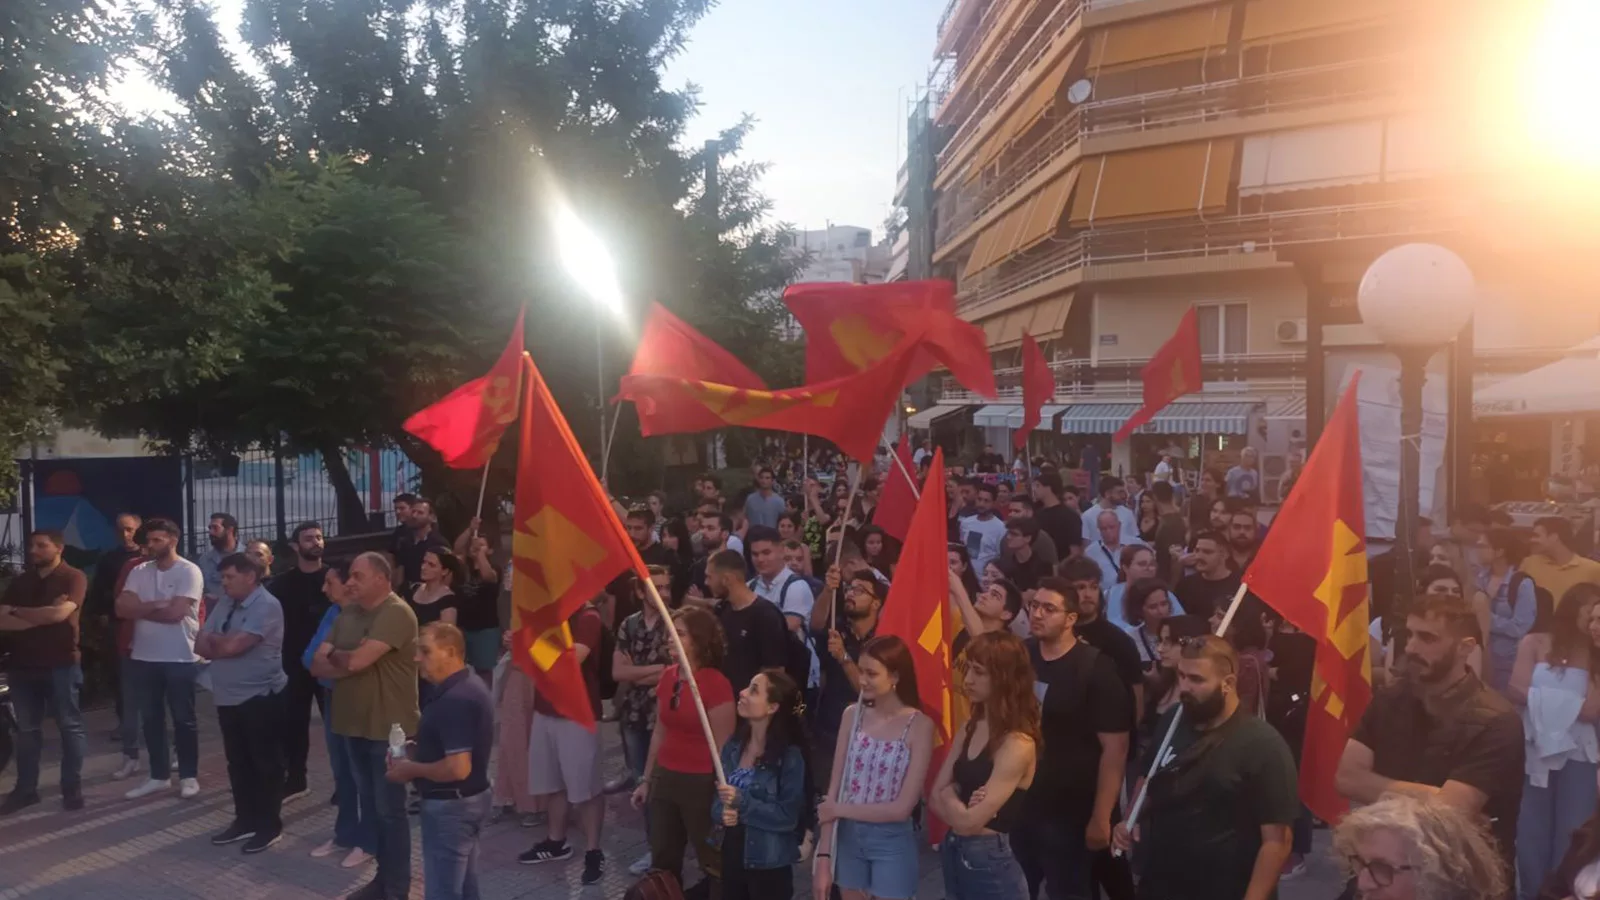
1439 733
243 638
841 681
1087 716
1219 809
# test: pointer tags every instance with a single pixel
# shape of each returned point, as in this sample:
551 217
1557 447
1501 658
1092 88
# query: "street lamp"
1417 298
589 265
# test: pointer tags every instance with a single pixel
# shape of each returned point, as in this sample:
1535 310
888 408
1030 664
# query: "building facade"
1103 166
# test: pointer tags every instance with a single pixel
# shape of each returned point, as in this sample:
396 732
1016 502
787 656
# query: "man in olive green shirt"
370 653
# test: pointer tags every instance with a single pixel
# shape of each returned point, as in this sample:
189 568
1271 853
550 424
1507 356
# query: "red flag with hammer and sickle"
465 427
566 546
1173 371
1312 568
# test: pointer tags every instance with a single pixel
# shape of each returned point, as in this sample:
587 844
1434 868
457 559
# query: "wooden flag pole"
1132 817
611 441
895 455
838 551
686 672
483 488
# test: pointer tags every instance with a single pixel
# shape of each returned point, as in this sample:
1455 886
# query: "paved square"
158 848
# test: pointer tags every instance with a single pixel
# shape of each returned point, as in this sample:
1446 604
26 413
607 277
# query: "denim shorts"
981 867
879 858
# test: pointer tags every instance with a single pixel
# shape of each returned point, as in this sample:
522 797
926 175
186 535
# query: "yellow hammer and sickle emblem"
1347 623
1180 383
858 342
500 398
560 548
739 405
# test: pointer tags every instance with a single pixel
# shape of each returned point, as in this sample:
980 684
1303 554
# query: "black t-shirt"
304 605
1117 644
408 552
457 717
757 638
429 613
479 609
836 694
1207 804
1201 597
1081 697
1471 734
1064 526
1025 575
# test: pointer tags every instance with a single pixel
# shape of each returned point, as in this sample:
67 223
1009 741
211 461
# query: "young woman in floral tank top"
879 765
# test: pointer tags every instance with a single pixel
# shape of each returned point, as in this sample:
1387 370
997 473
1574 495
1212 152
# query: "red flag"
899 499
1173 371
851 326
465 427
669 346
1038 388
917 609
849 411
1312 568
566 546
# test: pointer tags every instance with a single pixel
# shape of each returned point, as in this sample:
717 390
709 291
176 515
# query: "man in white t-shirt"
983 532
161 598
783 588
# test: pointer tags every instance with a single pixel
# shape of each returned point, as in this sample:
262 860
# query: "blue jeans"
349 828
383 803
1547 819
1051 848
33 691
635 748
450 832
161 687
981 867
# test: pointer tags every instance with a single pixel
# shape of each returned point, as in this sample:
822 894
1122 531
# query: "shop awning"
927 418
1047 417
996 416
1154 182
1292 409
1566 387
1179 418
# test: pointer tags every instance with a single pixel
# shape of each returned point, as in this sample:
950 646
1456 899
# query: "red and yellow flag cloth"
852 326
1173 371
1038 388
670 346
848 411
566 546
465 427
1312 568
917 609
899 501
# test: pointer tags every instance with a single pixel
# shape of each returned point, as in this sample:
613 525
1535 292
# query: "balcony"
1037 51
1081 379
1347 82
1231 236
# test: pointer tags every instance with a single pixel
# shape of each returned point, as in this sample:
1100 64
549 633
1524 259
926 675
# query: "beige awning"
1139 42
1154 182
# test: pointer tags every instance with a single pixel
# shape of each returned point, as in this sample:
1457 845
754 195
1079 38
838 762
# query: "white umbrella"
1569 386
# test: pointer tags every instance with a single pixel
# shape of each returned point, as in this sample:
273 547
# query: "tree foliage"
352 203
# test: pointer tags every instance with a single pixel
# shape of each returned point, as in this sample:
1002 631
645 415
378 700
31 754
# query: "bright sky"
829 83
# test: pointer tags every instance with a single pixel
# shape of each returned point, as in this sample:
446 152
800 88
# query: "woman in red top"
679 782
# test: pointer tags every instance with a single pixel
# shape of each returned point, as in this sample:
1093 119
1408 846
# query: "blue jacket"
769 809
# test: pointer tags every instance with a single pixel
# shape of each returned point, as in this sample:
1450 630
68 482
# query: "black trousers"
300 693
739 883
252 738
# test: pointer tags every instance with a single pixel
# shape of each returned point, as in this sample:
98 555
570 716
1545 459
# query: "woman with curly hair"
982 786
768 791
1404 848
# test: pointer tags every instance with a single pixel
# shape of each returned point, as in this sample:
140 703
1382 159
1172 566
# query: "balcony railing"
1223 236
947 15
1354 80
1222 376
1060 18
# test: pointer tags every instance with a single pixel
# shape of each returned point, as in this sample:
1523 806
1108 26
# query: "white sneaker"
188 788
152 786
130 768
640 865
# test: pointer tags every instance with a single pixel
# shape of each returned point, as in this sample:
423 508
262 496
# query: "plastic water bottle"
397 741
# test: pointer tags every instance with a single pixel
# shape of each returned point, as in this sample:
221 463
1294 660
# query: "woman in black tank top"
981 789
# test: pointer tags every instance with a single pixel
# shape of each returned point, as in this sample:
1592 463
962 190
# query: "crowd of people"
1086 626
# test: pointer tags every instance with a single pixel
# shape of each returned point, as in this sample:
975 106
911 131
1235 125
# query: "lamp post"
589 265
1417 298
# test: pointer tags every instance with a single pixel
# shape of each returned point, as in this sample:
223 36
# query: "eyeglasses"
1046 609
1181 642
1382 873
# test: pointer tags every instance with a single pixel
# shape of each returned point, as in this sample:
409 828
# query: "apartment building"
1102 166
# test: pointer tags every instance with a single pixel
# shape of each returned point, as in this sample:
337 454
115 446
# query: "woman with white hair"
1403 848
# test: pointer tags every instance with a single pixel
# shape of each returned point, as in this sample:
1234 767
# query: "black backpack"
1544 602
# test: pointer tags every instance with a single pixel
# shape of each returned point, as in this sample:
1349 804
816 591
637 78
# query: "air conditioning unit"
1291 331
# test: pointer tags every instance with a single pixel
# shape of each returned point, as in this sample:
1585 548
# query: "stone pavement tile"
158 848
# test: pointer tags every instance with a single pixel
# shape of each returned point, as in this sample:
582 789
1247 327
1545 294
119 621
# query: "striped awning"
924 420
996 416
1292 408
1047 417
1179 418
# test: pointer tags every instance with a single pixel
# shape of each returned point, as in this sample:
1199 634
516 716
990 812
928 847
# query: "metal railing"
1033 53
947 15
1368 78
1223 236
1223 375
